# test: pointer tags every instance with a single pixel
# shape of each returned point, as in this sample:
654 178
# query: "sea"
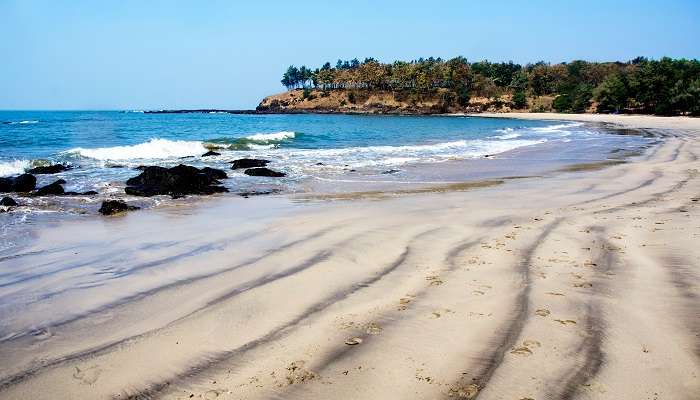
315 151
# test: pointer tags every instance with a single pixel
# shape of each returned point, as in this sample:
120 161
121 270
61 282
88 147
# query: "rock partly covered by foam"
248 163
211 153
8 202
21 183
264 172
111 207
176 181
49 169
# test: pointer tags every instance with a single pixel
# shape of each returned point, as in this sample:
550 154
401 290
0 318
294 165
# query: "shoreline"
536 288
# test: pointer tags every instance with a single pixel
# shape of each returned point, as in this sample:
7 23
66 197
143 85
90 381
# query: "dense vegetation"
666 86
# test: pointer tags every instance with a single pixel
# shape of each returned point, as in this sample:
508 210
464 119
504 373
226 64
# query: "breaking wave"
14 167
153 149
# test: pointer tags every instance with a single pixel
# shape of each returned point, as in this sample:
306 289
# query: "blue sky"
183 54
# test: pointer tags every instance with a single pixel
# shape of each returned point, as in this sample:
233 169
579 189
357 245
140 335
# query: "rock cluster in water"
49 169
153 180
176 181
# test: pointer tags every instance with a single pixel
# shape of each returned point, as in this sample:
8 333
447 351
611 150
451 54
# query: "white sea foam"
25 122
507 136
153 149
557 127
271 137
14 167
396 155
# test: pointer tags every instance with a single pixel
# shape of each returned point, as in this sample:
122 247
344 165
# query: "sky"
114 55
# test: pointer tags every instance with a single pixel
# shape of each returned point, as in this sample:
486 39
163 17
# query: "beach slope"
583 284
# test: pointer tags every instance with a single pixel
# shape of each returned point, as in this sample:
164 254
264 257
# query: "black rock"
210 153
89 193
176 181
21 183
54 188
391 171
264 172
248 163
49 169
8 202
214 173
110 207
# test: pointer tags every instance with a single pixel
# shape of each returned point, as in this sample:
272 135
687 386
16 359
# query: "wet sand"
582 284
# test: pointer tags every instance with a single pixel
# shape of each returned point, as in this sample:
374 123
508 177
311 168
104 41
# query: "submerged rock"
54 188
391 171
211 153
264 172
110 207
49 169
21 183
259 193
176 181
8 202
248 163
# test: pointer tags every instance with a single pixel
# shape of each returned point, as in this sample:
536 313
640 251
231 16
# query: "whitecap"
14 167
277 136
153 149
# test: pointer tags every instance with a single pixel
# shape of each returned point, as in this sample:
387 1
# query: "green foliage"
519 99
351 98
577 100
612 95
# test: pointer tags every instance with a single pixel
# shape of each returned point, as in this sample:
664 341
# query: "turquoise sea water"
105 146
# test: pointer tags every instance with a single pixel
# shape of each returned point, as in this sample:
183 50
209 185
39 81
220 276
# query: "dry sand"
579 285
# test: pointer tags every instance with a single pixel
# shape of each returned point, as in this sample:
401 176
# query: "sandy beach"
583 284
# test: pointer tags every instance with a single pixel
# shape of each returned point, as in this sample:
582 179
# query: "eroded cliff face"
377 102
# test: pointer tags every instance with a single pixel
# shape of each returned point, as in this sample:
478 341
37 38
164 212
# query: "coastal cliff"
358 101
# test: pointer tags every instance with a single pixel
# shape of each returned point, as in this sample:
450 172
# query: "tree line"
666 86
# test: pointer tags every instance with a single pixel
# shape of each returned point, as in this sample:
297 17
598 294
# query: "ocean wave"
14 167
272 137
153 149
258 141
398 155
507 136
557 127
26 122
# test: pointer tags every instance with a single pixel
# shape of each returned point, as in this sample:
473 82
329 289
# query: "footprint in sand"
87 376
404 302
434 280
555 293
566 321
542 312
526 348
464 392
583 285
373 328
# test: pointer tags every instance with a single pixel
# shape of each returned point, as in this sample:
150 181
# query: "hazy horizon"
85 56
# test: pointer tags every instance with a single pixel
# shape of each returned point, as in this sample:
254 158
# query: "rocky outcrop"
264 172
211 153
176 181
248 163
21 183
8 202
49 169
111 207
